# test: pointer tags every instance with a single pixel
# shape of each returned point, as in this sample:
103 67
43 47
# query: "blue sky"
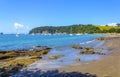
34 13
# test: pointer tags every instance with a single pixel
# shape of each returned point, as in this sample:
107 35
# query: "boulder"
77 59
102 38
87 52
77 47
89 48
91 52
53 57
38 46
14 60
35 57
61 60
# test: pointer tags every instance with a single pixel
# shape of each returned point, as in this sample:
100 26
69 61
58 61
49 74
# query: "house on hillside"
114 24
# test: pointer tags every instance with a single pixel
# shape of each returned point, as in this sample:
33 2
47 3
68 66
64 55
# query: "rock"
77 47
89 48
8 55
87 52
19 53
91 52
77 59
102 38
82 52
10 70
14 60
38 46
98 53
53 57
102 54
2 69
61 60
35 57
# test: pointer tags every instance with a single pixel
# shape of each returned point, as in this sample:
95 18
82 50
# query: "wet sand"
107 66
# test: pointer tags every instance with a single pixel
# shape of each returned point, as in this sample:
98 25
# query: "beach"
107 66
82 60
59 38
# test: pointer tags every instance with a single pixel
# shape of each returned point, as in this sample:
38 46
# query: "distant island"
1 33
76 29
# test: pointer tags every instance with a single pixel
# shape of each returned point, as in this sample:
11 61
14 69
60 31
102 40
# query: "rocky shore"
79 51
15 60
107 66
88 50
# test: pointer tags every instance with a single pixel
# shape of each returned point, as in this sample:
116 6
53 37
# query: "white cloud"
18 25
20 28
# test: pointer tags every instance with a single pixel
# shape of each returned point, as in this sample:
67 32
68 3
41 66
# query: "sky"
23 15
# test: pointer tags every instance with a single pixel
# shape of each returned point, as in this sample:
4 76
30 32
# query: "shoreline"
62 62
12 62
106 66
85 67
37 65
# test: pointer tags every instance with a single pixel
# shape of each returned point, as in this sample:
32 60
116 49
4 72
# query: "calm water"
11 42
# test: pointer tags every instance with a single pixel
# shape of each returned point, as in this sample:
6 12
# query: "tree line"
77 28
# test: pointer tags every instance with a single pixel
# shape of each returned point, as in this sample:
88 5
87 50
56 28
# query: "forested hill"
76 29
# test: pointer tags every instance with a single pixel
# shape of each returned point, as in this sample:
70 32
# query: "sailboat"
33 34
78 34
17 34
71 32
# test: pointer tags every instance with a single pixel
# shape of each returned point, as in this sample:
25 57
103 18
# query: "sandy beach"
107 66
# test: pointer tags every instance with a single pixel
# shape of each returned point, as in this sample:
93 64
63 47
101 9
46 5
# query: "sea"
25 41
61 44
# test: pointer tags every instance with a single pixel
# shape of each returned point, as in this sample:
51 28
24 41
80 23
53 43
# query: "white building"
113 24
